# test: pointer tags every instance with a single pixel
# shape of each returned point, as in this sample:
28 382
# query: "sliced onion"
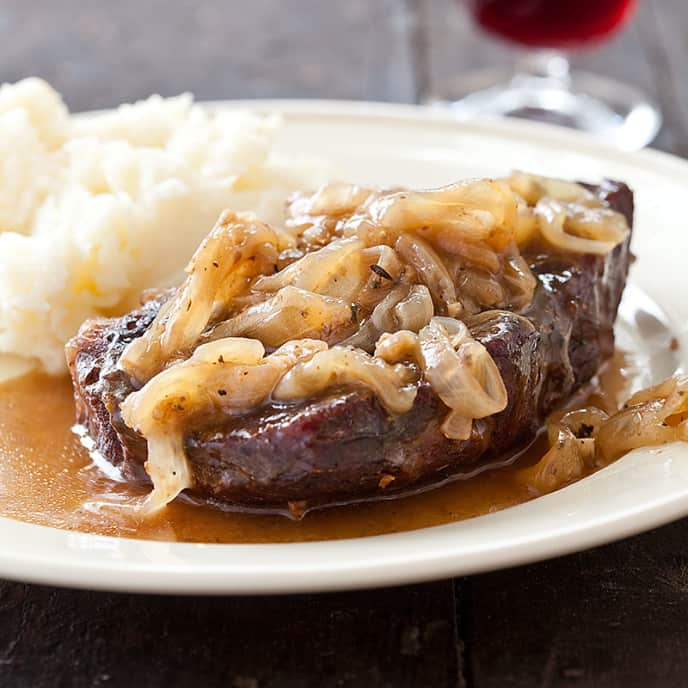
380 320
584 438
234 351
460 370
401 309
533 187
584 423
673 390
568 460
398 346
519 281
335 270
526 186
598 223
599 239
526 225
290 314
404 308
658 415
415 310
238 245
431 271
344 366
475 221
479 290
406 211
228 374
385 270
334 199
383 316
167 467
475 253
456 426
473 209
314 218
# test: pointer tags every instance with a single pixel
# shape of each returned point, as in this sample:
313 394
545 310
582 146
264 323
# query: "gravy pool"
48 478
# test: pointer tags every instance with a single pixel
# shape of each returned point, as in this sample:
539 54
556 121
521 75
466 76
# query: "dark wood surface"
614 616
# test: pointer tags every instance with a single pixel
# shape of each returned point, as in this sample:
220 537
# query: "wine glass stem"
550 65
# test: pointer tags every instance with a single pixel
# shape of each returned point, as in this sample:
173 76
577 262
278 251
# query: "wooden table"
614 616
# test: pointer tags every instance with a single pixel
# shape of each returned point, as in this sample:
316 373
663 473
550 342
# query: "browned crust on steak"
341 447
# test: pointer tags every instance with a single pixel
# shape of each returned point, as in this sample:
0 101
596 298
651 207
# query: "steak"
345 446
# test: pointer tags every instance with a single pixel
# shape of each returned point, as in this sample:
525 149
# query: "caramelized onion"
335 270
476 222
568 460
167 467
460 370
290 314
396 347
345 366
657 415
228 374
385 271
415 310
572 228
475 210
456 426
584 423
479 290
381 320
332 200
532 188
431 271
519 281
584 438
568 215
403 308
237 249
526 224
406 211
225 374
477 253
572 450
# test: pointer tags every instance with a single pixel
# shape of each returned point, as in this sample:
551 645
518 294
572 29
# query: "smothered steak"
386 341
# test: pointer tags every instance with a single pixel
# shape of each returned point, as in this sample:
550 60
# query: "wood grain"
614 616
398 637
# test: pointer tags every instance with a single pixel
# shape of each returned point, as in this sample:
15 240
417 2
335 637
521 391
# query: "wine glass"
541 85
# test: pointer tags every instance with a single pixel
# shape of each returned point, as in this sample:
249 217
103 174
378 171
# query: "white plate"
390 144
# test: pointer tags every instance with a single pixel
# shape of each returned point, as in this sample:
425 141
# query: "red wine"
553 23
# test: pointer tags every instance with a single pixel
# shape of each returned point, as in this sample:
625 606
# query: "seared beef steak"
345 446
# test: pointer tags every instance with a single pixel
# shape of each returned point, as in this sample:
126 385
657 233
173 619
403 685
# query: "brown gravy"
47 478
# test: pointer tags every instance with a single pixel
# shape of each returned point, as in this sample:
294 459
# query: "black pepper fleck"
381 272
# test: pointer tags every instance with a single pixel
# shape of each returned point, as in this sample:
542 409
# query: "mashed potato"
93 210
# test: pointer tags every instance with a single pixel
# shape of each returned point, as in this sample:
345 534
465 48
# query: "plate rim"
169 568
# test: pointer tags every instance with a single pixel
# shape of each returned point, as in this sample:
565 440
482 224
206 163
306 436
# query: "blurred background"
100 53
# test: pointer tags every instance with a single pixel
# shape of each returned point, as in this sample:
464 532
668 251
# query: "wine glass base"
609 110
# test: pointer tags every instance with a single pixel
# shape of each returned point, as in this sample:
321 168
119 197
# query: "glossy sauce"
47 477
